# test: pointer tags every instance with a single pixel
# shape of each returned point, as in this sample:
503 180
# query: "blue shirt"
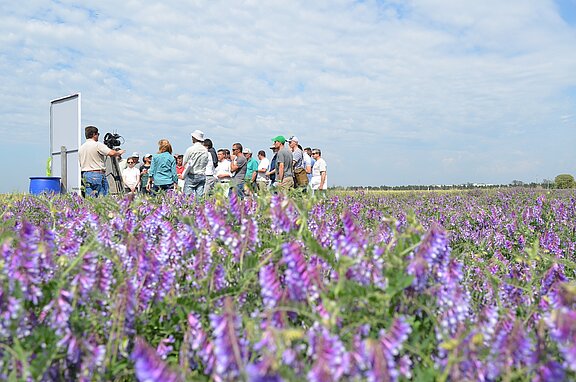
163 169
250 168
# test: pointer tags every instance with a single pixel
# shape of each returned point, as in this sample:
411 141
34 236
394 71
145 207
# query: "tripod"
113 170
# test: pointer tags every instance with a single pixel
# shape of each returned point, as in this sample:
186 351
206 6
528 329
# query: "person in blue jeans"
238 168
91 156
163 169
195 159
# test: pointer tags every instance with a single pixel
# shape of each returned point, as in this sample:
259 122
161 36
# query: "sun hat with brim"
198 135
280 139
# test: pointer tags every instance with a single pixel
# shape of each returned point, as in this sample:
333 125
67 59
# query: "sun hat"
198 135
280 139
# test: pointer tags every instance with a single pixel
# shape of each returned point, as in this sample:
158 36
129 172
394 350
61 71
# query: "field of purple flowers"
428 286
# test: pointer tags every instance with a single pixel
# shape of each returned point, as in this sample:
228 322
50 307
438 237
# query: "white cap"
135 155
247 150
293 138
199 135
147 155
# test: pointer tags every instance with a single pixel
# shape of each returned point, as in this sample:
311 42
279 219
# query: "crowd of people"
203 169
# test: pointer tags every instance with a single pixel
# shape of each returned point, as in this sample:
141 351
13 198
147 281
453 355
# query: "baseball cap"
147 155
247 150
279 138
135 155
293 138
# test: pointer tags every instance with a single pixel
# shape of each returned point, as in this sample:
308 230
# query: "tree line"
562 181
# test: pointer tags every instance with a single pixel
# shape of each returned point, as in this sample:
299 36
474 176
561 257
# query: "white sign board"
65 131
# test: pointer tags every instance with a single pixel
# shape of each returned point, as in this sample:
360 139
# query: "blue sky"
393 92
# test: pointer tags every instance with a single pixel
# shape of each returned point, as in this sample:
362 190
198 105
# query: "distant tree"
547 183
564 181
517 183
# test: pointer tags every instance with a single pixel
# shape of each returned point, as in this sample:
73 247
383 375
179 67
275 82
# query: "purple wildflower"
235 207
148 366
59 311
553 275
284 214
380 356
199 345
511 348
264 365
86 277
430 257
270 287
331 360
551 371
229 348
562 324
298 282
23 263
164 347
255 374
92 360
72 345
249 233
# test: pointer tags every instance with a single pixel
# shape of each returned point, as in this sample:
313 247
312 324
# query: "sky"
392 92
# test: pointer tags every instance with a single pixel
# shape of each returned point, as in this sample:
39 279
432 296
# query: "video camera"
113 140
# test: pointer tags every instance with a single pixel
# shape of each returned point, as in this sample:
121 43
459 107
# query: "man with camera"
91 156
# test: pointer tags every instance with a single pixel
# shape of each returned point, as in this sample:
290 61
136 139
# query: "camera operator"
91 155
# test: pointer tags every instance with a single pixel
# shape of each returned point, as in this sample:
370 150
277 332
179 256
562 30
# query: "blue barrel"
44 184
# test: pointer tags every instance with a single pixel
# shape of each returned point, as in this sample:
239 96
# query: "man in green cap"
284 171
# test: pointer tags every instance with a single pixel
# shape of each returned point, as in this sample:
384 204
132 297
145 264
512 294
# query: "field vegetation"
366 286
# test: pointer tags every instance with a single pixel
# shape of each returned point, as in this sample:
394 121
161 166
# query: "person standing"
307 162
210 167
213 155
251 170
136 156
163 169
308 151
179 170
144 173
131 176
238 168
195 159
271 173
300 176
319 177
261 178
222 172
284 160
91 156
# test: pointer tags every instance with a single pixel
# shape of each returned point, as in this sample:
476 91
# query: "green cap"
280 139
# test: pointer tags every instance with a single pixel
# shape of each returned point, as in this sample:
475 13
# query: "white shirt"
319 167
130 176
264 163
210 166
223 168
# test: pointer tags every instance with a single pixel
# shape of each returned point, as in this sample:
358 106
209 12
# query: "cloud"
414 82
